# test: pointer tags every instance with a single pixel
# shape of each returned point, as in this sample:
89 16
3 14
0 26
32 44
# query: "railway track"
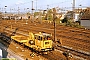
73 52
55 56
72 37
51 56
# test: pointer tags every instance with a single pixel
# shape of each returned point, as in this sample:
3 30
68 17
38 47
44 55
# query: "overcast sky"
41 4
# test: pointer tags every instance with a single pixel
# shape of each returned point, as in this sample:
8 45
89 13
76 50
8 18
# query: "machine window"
39 38
44 38
36 37
48 38
46 42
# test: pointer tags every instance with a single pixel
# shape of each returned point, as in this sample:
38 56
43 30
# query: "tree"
49 15
28 13
65 20
36 13
70 14
0 15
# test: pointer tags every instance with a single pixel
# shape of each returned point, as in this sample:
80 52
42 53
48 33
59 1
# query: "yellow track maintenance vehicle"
40 42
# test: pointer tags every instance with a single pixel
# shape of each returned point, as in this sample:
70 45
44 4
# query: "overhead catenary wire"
40 6
59 4
52 5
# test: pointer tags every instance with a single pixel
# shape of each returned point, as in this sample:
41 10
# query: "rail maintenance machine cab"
40 42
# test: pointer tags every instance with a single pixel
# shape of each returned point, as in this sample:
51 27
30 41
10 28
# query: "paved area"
4 50
7 53
23 53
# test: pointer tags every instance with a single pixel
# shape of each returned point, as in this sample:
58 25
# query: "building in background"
77 13
85 18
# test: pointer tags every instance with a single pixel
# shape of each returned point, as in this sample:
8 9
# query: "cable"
55 3
80 2
45 6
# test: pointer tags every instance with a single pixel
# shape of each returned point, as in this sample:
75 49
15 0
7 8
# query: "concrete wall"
0 53
85 23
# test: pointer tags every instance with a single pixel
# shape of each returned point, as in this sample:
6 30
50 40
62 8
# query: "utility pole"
36 5
47 11
73 8
18 11
32 12
10 13
54 21
73 4
40 18
18 14
5 12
